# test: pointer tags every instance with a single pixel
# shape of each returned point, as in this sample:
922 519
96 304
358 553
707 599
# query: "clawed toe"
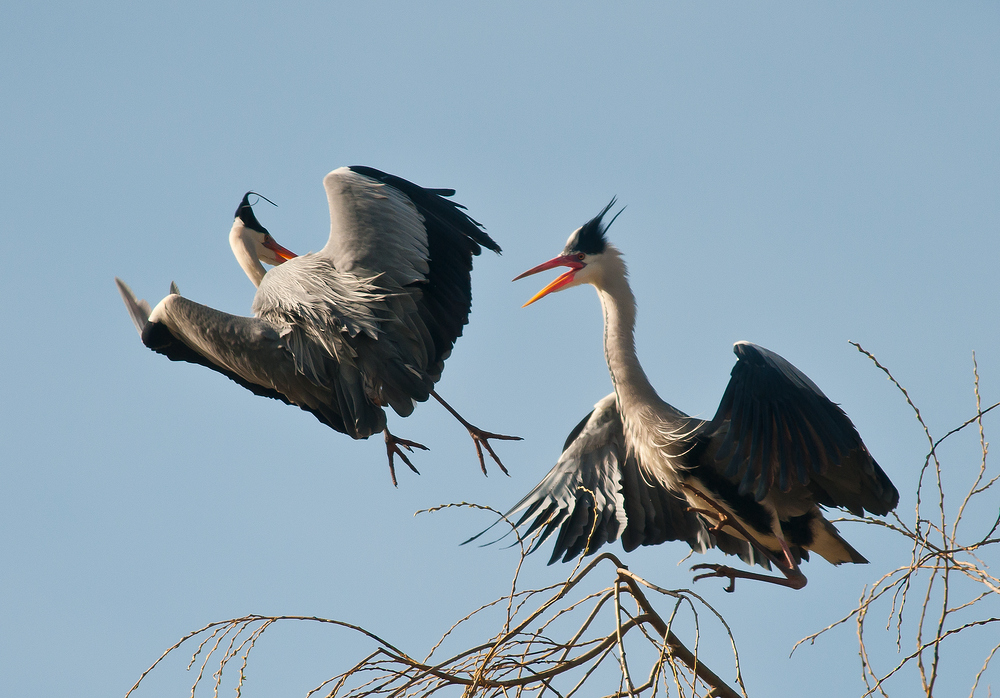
481 439
716 571
392 447
793 578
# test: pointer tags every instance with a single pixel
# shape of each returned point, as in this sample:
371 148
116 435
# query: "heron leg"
392 447
722 517
479 437
793 576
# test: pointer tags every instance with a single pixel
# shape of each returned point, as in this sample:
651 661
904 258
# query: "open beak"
567 260
282 254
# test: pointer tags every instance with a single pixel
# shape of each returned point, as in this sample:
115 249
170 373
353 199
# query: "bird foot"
481 439
716 571
793 579
793 576
392 447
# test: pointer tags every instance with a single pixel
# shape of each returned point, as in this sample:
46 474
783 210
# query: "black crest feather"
590 237
245 212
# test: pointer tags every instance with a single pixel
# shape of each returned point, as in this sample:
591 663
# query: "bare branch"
525 654
950 575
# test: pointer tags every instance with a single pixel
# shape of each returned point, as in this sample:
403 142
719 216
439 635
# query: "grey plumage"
364 323
751 481
597 493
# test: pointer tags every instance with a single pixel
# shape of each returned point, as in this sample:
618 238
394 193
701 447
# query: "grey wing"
415 240
374 228
780 430
254 353
596 493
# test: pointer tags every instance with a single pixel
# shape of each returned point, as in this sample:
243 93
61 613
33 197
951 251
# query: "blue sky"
795 175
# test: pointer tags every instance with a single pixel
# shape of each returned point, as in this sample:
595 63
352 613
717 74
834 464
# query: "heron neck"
632 387
243 244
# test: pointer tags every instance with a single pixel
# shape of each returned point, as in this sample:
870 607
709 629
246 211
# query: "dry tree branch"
553 640
561 639
951 575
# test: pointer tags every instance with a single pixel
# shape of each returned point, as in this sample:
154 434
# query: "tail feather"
828 542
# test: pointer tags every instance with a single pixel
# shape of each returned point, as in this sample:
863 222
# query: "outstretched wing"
254 353
782 431
596 494
421 241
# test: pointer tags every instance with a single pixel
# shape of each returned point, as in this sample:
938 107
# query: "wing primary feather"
433 202
138 310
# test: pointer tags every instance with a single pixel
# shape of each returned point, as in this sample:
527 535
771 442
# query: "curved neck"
244 248
631 384
654 431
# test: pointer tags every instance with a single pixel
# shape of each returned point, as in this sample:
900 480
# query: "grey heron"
366 322
750 481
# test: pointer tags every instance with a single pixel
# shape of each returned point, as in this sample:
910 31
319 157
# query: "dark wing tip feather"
433 203
444 192
453 238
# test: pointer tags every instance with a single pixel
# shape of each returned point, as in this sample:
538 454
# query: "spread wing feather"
781 430
253 353
367 321
450 239
596 494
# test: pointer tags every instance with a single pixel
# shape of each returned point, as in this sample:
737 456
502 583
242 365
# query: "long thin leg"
392 444
479 437
793 576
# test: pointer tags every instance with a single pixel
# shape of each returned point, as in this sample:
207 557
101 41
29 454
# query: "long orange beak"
567 260
283 254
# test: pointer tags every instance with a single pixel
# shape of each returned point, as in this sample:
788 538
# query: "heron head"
254 234
583 252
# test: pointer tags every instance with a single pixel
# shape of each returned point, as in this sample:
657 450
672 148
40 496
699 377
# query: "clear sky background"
795 175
